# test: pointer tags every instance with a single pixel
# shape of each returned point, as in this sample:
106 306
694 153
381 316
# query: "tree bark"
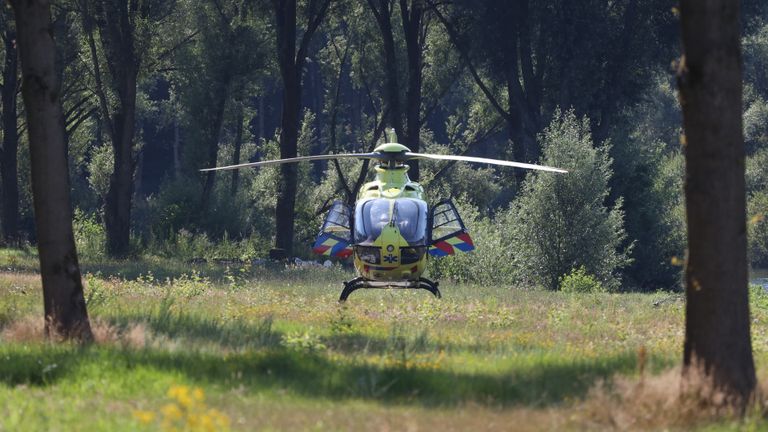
212 135
64 304
239 118
382 12
413 28
9 186
291 61
117 29
717 333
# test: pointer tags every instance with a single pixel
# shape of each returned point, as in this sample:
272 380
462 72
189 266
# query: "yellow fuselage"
389 256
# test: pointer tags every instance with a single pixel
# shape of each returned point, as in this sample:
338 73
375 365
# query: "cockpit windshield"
409 215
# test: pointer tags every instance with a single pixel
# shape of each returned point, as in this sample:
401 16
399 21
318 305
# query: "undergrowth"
270 348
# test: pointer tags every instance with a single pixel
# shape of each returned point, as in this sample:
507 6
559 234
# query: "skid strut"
362 283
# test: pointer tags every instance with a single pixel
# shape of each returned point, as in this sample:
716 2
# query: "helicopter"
391 230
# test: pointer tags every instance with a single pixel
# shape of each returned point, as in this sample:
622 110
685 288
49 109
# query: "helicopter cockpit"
409 215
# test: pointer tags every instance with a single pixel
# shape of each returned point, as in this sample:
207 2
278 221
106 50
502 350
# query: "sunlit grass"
272 349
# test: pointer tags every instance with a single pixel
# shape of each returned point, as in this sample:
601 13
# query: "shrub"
757 228
562 221
579 281
493 260
90 237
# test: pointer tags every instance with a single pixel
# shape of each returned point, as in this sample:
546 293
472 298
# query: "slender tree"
717 335
238 144
123 46
9 182
414 23
64 304
226 56
291 59
382 11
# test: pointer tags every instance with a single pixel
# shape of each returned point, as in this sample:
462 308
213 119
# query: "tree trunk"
286 197
515 124
120 194
238 145
392 88
291 62
717 334
117 25
413 28
9 186
64 304
212 137
176 149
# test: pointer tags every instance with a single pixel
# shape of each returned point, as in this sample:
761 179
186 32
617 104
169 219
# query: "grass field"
255 348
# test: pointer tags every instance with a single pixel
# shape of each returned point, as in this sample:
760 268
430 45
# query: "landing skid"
359 282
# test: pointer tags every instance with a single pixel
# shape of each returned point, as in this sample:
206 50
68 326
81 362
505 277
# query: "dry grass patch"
31 329
661 402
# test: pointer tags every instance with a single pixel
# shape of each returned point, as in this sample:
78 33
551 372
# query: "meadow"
182 346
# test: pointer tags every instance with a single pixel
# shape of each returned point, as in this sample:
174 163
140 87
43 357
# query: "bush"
757 228
90 237
492 262
579 281
561 221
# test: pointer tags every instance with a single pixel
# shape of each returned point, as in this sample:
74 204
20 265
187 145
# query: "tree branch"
313 22
453 35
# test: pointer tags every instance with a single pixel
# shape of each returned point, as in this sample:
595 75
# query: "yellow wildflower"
198 394
171 411
145 417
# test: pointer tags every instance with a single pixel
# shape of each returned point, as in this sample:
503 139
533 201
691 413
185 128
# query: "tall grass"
271 348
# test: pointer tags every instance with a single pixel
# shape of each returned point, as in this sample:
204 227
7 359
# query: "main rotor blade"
294 160
483 160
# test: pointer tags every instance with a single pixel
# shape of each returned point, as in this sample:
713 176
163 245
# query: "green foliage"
648 173
757 228
579 281
758 297
307 341
756 60
756 125
493 260
562 221
460 181
90 237
100 169
756 175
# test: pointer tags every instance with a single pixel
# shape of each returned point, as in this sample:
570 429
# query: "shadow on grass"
25 261
537 382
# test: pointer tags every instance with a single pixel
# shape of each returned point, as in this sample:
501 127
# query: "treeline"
154 90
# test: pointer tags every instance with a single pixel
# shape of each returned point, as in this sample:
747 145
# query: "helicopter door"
448 231
335 237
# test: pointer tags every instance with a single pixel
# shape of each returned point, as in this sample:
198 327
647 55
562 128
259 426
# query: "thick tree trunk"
120 194
717 334
64 304
286 197
9 183
291 63
290 71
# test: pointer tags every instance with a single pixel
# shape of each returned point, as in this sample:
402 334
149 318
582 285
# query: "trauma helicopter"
391 230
